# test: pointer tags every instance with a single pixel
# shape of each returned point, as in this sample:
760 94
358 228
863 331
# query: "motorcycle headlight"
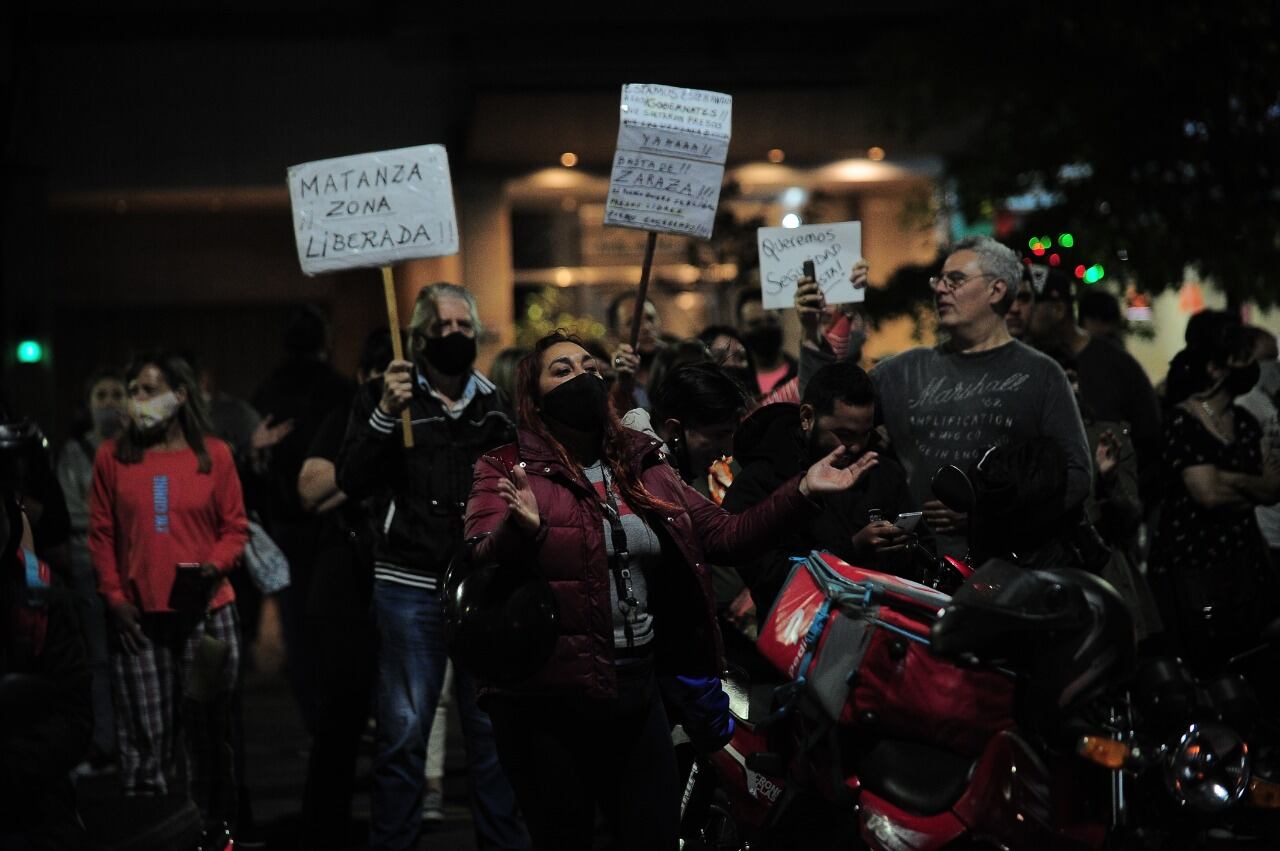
1208 770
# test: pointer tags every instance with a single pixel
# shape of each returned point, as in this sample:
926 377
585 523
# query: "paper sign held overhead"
669 165
373 209
833 248
688 123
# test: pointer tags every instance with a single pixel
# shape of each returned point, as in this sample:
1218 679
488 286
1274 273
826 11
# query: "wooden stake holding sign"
637 315
397 350
372 210
668 168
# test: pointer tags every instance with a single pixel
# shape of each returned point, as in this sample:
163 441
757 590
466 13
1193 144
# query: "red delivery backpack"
856 641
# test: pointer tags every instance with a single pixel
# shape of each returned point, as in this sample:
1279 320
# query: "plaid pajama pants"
154 713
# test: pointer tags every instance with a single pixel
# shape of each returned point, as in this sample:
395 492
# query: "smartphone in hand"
809 271
907 520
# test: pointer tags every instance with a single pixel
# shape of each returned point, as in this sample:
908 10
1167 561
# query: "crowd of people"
659 490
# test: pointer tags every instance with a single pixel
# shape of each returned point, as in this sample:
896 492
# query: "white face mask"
153 412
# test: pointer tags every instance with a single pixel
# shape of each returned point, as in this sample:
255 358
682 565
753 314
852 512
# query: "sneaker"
433 807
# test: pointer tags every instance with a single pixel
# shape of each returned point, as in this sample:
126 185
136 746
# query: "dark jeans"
343 654
411 660
565 756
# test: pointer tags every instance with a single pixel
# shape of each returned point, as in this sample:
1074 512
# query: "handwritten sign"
833 248
688 123
669 165
373 209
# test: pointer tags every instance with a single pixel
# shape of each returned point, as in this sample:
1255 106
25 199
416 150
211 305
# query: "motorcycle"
895 715
913 751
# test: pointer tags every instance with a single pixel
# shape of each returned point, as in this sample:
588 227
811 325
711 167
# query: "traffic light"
30 351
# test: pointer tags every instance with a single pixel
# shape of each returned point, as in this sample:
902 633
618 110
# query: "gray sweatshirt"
942 407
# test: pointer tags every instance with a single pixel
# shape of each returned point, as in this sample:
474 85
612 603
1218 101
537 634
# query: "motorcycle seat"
913 776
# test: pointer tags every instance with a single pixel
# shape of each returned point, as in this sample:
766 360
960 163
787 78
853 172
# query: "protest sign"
373 209
833 248
687 123
669 165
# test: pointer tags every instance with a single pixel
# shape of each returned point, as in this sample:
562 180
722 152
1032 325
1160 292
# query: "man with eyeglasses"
978 388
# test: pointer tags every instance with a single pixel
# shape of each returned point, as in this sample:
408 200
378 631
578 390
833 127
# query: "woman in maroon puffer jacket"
588 727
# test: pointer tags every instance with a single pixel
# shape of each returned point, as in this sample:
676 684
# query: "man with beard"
762 335
950 403
780 440
420 495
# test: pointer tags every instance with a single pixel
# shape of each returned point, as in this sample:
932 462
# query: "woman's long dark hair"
193 416
613 444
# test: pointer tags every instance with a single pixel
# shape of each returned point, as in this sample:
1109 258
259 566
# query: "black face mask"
1242 379
764 343
452 354
580 403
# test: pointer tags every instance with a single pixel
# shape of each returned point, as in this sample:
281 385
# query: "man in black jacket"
780 440
420 497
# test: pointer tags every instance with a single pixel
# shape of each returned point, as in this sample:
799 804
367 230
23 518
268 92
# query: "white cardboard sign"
688 123
373 209
833 248
669 165
663 194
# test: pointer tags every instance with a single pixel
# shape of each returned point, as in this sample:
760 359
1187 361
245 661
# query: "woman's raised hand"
826 477
522 505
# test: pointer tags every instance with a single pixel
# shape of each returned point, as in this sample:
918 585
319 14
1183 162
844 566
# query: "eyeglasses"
955 280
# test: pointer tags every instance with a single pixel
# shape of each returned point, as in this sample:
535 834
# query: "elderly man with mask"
420 495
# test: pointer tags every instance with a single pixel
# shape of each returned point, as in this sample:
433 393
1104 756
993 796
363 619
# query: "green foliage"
1152 131
545 311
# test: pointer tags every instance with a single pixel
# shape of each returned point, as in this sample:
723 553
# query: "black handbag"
501 621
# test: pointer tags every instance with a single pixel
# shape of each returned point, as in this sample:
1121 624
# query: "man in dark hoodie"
780 440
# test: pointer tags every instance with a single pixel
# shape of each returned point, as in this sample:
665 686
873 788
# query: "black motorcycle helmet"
501 624
23 451
1067 630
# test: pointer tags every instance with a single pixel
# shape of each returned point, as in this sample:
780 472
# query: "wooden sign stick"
393 322
642 294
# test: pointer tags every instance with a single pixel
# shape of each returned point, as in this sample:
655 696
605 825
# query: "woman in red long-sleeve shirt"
167 524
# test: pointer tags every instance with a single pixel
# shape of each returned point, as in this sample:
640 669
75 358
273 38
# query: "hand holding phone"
907 520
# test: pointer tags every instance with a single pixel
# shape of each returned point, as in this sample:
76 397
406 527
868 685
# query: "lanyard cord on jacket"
619 559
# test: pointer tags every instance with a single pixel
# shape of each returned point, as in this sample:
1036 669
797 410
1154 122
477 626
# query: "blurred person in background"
762 335
108 415
1209 565
1018 318
1112 383
339 621
45 698
619 315
297 395
503 374
730 354
1100 315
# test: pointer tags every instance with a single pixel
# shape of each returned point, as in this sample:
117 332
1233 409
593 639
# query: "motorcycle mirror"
953 488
